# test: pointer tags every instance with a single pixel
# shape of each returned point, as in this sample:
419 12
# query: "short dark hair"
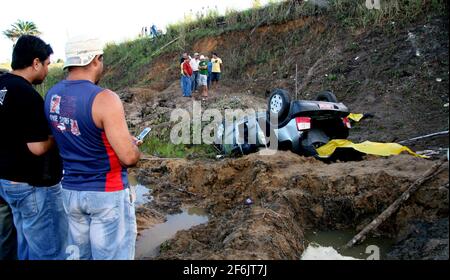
27 49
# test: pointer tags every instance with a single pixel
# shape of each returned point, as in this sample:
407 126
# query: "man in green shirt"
203 79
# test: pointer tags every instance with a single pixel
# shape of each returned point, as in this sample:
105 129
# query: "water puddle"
329 245
142 192
148 244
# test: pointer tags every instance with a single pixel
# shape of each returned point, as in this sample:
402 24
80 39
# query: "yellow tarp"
367 147
355 117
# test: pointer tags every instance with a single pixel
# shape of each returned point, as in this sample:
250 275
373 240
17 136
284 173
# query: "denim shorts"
203 80
102 225
39 219
215 77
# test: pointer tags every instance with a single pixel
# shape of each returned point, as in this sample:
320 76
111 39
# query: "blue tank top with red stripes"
90 163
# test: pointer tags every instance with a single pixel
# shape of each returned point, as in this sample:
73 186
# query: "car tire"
279 105
327 96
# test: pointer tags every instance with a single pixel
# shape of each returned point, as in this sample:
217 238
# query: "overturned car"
301 126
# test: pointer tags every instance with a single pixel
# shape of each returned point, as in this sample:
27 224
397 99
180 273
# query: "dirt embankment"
290 194
401 77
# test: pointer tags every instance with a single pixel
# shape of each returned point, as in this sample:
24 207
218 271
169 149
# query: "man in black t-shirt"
8 238
30 166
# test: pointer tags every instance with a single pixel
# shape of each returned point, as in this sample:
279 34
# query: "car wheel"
279 104
327 96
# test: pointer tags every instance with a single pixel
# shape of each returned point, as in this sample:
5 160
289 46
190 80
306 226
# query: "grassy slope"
126 63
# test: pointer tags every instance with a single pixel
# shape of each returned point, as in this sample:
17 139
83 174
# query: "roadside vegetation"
126 61
165 149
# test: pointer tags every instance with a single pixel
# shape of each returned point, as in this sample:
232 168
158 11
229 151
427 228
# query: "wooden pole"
433 171
163 47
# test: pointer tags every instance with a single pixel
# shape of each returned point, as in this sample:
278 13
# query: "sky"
111 21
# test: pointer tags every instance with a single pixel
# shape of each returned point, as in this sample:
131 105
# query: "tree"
20 28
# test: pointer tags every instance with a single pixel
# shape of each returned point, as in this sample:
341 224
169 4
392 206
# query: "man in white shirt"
194 65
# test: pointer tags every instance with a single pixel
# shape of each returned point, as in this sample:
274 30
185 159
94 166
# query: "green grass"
392 13
332 77
126 62
164 148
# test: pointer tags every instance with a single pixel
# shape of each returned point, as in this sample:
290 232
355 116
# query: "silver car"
300 125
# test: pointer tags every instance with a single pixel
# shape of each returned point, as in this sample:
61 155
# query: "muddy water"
148 244
142 192
329 245
150 240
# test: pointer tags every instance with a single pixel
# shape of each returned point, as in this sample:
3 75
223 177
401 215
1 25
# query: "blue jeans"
186 85
8 236
102 225
209 79
194 80
39 218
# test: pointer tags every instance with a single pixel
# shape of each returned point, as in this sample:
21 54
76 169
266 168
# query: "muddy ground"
290 195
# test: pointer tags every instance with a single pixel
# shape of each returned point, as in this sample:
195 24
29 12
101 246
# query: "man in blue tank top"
88 123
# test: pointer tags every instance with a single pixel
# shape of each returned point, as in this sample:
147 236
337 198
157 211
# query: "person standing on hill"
217 69
194 65
153 31
186 77
89 126
203 77
209 71
183 57
30 167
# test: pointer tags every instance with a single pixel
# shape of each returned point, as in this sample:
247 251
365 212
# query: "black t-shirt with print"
22 121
